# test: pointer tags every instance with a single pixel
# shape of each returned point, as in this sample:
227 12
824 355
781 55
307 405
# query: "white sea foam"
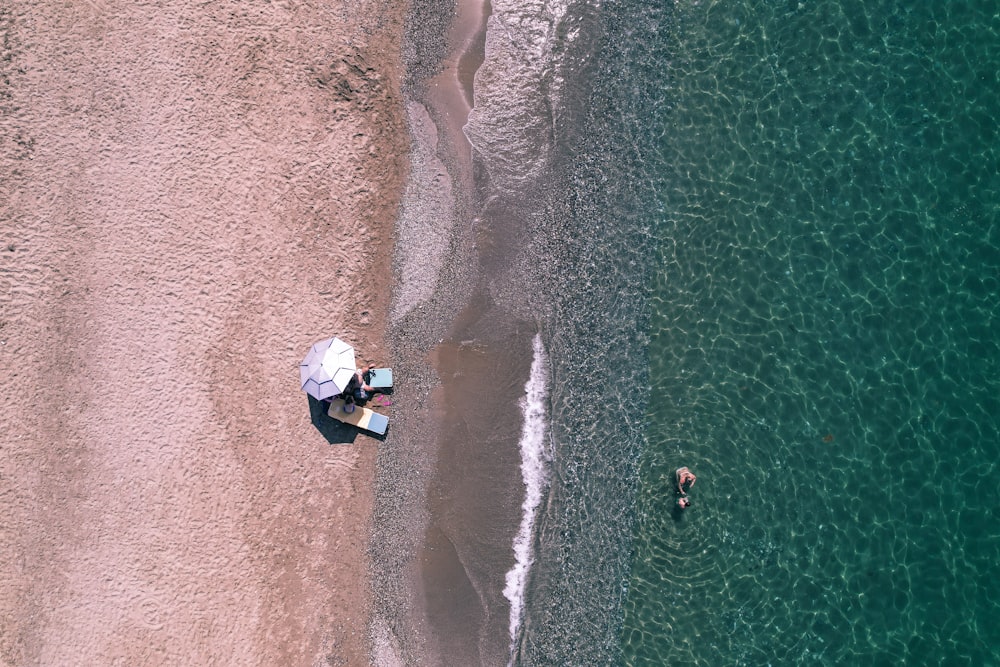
535 458
516 89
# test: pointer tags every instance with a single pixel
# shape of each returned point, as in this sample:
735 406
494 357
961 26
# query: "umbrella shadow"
335 432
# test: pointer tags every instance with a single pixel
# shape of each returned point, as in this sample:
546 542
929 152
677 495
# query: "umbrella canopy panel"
327 368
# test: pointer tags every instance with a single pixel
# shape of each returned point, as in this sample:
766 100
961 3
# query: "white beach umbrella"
327 368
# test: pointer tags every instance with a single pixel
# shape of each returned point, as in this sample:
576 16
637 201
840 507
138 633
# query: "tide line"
535 459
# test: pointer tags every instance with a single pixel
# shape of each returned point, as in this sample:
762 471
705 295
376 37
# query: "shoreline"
449 494
191 200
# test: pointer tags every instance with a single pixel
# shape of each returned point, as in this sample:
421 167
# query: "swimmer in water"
685 480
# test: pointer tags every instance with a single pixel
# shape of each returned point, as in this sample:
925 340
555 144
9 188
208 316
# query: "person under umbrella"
357 389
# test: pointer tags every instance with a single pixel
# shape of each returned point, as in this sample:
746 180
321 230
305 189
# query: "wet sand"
449 496
190 195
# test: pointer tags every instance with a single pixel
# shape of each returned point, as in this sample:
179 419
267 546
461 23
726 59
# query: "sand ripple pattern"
189 196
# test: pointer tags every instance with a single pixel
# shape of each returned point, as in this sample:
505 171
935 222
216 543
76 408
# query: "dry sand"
190 195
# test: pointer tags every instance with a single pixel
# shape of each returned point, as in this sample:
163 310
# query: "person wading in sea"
685 480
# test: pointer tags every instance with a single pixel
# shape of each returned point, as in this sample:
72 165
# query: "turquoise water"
777 235
824 340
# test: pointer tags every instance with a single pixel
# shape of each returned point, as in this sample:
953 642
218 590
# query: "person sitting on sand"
685 480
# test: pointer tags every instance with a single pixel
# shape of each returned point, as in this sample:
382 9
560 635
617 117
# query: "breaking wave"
535 458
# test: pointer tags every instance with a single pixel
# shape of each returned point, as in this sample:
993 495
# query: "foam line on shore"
535 459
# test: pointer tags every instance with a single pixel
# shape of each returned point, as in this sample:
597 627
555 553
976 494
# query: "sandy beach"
190 195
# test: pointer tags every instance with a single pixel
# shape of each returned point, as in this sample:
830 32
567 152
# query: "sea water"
764 244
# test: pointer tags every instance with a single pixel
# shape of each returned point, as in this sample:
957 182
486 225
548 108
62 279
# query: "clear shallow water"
774 227
824 341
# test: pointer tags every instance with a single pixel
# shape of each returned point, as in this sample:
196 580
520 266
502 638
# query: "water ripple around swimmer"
823 352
